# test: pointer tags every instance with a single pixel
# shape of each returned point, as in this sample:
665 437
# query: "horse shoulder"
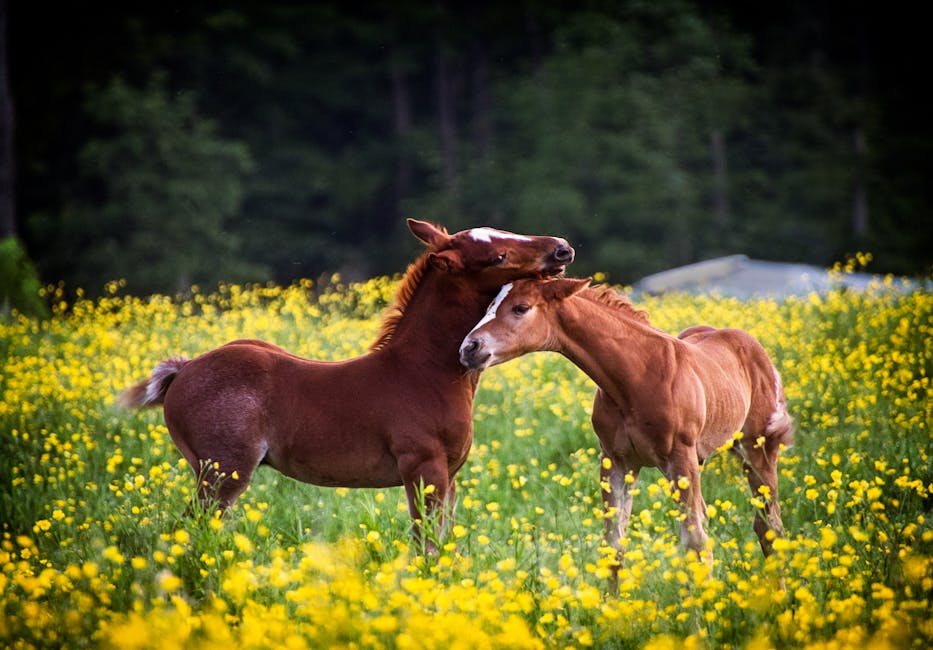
691 396
676 399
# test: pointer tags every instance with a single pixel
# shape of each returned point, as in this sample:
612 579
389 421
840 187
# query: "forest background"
197 142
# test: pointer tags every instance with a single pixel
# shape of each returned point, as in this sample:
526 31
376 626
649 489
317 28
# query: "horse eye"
520 310
498 259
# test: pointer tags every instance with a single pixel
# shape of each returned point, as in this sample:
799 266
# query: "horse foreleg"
760 467
617 502
430 494
684 474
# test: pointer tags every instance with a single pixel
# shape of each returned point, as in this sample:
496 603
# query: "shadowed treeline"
271 141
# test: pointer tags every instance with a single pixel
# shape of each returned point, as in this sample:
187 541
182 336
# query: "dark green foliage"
651 134
158 189
19 282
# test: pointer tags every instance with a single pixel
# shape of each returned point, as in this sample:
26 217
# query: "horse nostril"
563 253
471 347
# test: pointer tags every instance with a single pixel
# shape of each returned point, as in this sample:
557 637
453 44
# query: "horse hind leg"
221 475
221 482
759 462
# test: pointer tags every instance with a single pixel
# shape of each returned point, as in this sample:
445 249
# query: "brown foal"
398 415
661 402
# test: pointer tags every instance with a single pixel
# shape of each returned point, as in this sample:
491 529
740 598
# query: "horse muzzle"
562 256
473 354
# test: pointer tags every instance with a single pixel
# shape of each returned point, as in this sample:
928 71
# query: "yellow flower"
243 543
168 582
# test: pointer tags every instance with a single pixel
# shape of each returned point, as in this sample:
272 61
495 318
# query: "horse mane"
609 296
406 289
394 313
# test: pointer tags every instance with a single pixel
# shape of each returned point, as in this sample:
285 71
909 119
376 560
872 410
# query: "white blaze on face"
487 234
491 312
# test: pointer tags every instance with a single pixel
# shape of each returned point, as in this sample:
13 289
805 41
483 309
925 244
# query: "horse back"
747 363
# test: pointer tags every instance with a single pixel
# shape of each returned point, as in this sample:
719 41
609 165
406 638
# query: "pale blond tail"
781 424
151 392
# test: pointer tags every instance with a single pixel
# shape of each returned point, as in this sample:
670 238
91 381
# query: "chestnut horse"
399 415
661 401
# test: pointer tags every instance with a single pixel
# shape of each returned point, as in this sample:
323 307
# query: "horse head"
518 321
491 257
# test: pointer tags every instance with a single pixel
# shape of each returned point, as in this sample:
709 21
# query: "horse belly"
726 412
335 460
324 437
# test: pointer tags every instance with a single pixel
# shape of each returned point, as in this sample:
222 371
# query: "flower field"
95 552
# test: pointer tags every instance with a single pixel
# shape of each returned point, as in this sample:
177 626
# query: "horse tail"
151 392
780 425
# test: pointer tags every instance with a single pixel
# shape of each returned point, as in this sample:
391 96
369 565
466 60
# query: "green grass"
96 552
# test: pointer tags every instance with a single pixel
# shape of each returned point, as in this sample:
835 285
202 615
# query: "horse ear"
428 233
562 288
448 261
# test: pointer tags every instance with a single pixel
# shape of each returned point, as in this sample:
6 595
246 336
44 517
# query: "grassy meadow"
94 551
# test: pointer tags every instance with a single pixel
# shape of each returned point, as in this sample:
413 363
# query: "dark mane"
406 289
607 295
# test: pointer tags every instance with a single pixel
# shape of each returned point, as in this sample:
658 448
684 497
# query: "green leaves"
157 189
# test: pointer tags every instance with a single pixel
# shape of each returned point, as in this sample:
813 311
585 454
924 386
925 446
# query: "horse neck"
440 312
608 344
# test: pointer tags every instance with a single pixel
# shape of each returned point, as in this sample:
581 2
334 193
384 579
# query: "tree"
157 188
7 163
611 137
650 133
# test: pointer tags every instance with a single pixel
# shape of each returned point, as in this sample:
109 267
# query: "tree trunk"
402 123
447 120
860 198
482 104
7 164
720 180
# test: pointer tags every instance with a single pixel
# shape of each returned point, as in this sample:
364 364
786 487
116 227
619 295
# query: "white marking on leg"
487 234
491 312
